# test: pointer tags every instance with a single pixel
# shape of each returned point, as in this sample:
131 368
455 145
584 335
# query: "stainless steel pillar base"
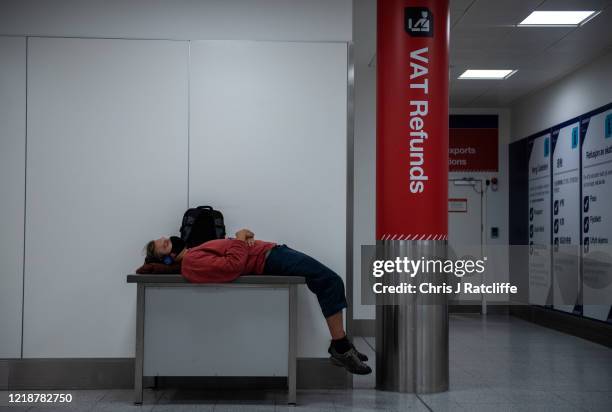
412 329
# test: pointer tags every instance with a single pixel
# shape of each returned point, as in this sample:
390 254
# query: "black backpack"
201 224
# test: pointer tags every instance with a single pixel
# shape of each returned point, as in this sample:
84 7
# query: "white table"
158 283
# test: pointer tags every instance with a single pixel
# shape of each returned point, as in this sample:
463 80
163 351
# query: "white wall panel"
311 20
12 190
107 171
364 185
268 148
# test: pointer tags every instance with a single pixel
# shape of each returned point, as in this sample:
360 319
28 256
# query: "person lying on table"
223 260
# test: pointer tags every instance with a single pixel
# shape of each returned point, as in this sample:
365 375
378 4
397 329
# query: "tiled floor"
497 364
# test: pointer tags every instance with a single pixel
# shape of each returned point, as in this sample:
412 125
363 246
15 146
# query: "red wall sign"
473 150
412 120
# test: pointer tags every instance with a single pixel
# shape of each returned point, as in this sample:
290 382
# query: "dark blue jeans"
320 279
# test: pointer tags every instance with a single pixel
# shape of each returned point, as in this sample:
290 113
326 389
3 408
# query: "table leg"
291 376
139 355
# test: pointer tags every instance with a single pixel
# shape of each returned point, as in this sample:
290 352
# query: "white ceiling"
483 36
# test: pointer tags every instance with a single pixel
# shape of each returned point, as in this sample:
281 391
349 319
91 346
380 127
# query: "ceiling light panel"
487 74
558 18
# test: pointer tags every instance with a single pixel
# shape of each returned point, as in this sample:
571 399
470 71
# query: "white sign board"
596 217
539 221
566 217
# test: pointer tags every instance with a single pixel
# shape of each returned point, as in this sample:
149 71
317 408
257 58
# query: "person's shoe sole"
362 357
336 362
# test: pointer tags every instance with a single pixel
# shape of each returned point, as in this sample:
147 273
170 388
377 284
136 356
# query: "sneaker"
349 361
362 357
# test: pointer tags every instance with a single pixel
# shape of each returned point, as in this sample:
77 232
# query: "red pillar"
412 120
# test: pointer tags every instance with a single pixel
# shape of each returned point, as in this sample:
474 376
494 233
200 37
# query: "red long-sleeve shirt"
223 260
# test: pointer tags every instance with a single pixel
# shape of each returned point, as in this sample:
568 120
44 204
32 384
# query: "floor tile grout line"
423 402
103 396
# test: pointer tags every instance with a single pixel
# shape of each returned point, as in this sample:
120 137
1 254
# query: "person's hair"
149 250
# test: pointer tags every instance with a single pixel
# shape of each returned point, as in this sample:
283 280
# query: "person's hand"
244 234
250 240
241 235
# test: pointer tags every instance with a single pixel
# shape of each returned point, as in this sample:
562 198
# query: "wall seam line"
25 194
188 116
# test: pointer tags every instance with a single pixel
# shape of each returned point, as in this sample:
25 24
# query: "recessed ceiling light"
558 18
487 74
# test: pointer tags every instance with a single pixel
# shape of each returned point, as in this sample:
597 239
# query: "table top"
247 280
